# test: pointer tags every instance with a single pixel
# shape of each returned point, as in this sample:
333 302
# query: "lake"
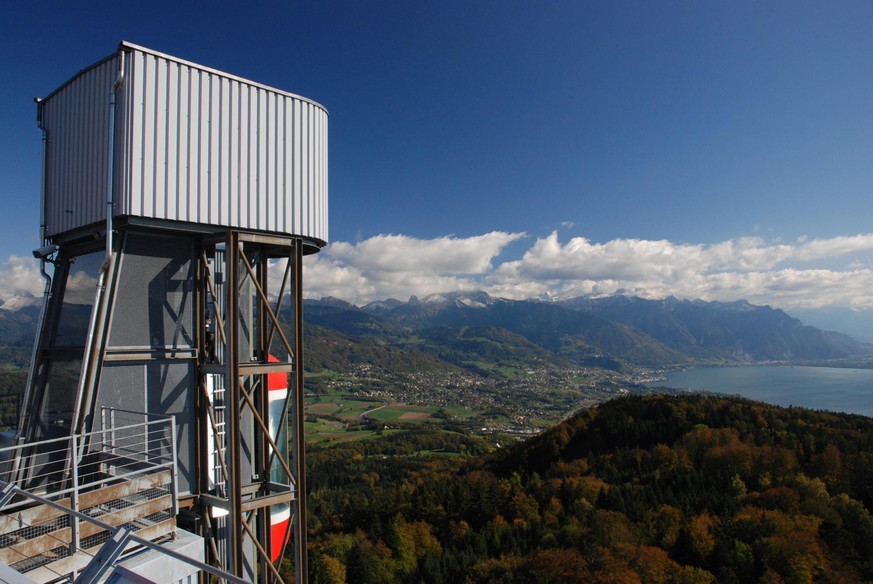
818 388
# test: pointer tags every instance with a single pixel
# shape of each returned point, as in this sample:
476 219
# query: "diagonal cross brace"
105 558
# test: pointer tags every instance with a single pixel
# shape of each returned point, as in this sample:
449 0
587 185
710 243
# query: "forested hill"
687 489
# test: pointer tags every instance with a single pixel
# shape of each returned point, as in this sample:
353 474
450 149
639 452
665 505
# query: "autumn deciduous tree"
369 562
662 489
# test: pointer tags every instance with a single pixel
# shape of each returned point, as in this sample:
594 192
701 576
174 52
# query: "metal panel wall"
194 145
155 295
76 119
160 387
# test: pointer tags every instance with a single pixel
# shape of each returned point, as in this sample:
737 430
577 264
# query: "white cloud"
834 247
20 273
400 254
806 273
775 273
399 266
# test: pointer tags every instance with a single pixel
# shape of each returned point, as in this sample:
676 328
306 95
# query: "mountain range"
586 331
475 330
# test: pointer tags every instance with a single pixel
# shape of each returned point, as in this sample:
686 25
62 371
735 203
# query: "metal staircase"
121 480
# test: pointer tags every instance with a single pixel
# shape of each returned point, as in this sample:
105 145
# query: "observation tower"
161 431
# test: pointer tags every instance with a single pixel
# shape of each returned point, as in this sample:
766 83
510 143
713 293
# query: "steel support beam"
234 434
301 568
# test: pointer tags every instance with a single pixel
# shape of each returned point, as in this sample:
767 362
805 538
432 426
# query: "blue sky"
716 150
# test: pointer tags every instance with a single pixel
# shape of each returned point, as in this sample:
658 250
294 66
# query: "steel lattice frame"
245 263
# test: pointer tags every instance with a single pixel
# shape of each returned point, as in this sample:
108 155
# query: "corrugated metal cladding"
76 120
192 144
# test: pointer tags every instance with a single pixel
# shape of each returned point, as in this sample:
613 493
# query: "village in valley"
349 405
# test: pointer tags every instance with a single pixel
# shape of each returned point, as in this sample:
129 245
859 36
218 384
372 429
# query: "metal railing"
120 477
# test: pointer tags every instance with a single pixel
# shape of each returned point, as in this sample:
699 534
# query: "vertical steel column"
301 568
200 403
261 398
95 344
234 435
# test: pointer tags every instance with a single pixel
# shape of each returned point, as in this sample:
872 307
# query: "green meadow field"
340 417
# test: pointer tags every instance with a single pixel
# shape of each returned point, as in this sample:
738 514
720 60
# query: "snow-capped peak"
21 299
